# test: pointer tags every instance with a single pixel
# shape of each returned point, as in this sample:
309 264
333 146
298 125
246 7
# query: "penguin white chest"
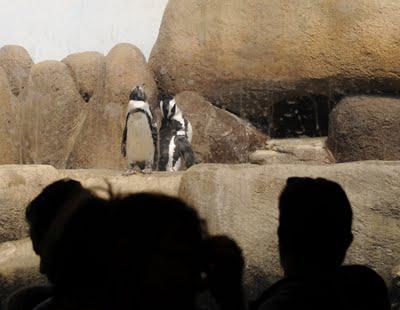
139 141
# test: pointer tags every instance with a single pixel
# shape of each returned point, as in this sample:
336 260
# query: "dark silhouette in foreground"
315 231
40 215
136 252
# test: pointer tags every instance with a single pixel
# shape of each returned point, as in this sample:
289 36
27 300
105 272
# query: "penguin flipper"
186 151
154 135
124 135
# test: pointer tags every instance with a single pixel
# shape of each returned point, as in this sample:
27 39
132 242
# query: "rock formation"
365 128
218 136
248 56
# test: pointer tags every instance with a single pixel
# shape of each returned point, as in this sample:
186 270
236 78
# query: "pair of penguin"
140 136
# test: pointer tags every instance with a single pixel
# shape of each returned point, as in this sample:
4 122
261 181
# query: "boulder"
53 115
99 180
9 126
19 267
242 201
291 151
126 68
365 128
17 63
91 149
18 186
88 71
248 56
218 136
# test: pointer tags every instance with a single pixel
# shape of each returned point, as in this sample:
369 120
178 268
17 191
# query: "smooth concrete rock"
53 114
218 136
92 143
88 71
242 201
9 127
365 128
17 63
99 180
19 267
290 151
126 68
18 186
250 55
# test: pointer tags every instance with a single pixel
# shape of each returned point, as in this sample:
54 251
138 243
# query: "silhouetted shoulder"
363 287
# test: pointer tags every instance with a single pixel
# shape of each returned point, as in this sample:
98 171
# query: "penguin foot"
129 172
147 171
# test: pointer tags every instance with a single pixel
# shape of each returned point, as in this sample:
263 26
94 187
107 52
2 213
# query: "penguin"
171 114
175 137
139 139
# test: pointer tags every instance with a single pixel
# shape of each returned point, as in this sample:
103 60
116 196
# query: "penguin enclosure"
217 103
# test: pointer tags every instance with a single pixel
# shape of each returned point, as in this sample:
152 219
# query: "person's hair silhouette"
315 232
315 226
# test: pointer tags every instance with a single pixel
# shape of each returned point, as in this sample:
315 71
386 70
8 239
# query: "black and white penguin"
175 137
139 139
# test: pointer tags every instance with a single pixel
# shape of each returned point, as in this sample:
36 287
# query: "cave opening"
300 117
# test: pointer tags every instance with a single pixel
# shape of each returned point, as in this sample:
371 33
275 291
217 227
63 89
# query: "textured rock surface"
365 128
18 186
291 151
218 136
53 115
249 55
242 201
127 68
17 63
88 71
19 267
9 127
92 145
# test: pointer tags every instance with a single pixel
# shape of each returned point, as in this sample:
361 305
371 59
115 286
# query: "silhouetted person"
315 231
40 214
166 258
138 252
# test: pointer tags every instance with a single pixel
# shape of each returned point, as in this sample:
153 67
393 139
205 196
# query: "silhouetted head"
138 94
76 251
168 107
315 226
42 210
157 246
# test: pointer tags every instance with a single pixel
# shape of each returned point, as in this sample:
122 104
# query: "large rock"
249 55
365 128
17 63
242 201
291 151
19 267
92 145
88 71
20 184
218 136
53 115
9 128
126 68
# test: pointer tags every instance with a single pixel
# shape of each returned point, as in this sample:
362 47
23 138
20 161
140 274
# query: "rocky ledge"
238 200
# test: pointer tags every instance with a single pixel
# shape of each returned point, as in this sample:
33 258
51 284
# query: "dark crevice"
85 96
303 116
